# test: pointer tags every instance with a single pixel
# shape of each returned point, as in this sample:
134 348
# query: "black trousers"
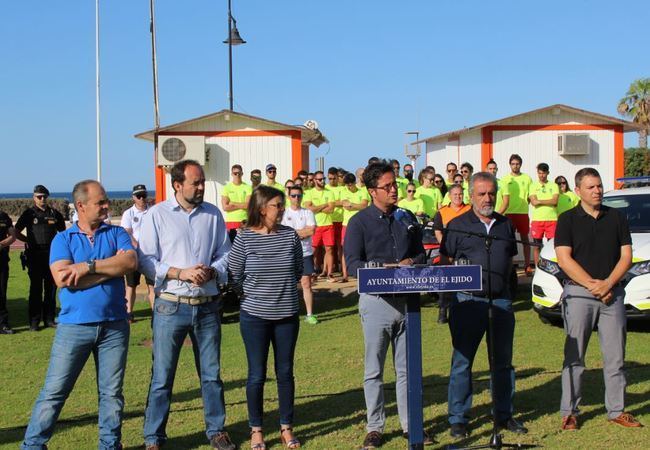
42 290
4 277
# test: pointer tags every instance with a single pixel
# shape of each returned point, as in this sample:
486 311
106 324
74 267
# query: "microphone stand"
496 439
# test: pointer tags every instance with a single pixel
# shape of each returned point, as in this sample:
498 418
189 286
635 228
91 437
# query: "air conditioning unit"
172 149
569 144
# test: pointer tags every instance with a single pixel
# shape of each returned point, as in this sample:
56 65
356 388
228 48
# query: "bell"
235 38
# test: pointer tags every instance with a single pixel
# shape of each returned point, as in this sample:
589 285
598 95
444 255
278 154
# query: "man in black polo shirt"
6 239
468 314
42 222
594 249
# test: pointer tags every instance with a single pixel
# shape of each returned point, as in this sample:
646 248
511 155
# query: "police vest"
43 228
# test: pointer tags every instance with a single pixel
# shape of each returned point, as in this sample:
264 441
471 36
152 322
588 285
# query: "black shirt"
372 235
5 226
42 226
595 242
463 246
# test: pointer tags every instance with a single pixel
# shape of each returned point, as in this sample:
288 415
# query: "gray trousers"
581 312
384 324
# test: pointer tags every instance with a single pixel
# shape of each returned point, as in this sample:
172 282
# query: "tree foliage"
636 106
637 162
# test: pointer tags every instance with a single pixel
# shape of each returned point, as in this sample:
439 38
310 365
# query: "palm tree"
636 105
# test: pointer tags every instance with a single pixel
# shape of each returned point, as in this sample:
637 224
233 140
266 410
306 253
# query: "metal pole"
230 54
97 123
154 64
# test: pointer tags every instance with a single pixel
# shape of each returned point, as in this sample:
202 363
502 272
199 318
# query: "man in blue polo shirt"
88 263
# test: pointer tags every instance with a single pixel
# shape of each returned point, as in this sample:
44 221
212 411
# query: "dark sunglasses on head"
140 196
295 195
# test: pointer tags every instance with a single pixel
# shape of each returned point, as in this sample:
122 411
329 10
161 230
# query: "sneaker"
6 330
372 440
311 319
221 441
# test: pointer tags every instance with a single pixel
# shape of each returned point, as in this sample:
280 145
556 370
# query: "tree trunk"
643 138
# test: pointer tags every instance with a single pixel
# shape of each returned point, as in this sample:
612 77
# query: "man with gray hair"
88 262
468 314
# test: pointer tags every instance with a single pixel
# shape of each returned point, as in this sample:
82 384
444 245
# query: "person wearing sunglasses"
303 221
321 202
567 199
131 222
382 316
335 187
271 173
268 313
415 205
42 223
287 186
408 174
430 195
452 170
353 200
439 182
543 197
234 200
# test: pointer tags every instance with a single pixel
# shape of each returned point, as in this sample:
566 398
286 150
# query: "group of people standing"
185 249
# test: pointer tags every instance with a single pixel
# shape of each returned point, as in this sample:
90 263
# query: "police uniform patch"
35 220
135 219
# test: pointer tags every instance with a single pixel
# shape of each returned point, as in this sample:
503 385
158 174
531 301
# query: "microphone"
406 218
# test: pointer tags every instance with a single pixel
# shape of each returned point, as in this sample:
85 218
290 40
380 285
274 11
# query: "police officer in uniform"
6 239
42 222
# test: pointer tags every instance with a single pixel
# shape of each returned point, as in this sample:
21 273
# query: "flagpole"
97 123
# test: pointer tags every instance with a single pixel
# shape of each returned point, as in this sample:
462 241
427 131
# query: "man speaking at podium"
468 315
378 235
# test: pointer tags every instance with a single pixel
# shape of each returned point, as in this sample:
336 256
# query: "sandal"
291 443
259 445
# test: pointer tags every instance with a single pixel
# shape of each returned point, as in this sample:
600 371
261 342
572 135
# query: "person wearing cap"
131 222
6 239
41 222
234 200
271 172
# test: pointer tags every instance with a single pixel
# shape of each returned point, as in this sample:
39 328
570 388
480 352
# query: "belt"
184 299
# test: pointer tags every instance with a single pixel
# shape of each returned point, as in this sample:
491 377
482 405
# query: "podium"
417 280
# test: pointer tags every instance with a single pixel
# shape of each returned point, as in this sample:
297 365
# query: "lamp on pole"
412 153
233 39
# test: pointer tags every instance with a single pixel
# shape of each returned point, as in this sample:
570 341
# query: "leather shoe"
626 420
513 426
372 440
427 439
569 423
6 330
459 430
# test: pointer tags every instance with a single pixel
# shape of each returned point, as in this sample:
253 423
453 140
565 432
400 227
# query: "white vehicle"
547 286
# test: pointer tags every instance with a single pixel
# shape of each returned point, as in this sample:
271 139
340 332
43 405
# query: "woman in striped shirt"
265 265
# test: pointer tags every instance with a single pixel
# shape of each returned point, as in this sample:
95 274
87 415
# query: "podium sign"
413 279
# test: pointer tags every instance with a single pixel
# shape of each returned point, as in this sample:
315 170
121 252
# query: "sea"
113 195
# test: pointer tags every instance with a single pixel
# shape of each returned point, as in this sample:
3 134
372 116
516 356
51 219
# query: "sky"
366 71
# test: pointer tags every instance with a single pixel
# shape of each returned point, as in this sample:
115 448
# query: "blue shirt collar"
175 206
75 228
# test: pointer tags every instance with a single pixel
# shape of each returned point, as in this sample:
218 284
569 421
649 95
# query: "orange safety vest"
448 212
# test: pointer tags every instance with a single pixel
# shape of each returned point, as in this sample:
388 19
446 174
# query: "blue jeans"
258 333
108 342
172 321
468 322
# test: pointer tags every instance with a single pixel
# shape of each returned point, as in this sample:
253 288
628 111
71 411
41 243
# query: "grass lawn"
330 411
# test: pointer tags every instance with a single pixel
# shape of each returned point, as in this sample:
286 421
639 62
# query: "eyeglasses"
237 174
437 181
388 187
319 179
410 191
562 182
464 171
279 205
41 197
451 170
295 195
140 196
271 171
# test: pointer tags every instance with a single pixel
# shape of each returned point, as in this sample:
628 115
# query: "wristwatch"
91 266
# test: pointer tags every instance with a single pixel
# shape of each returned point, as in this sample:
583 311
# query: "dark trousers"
4 277
468 323
258 333
42 290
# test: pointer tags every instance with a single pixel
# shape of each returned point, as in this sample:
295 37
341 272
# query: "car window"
635 207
